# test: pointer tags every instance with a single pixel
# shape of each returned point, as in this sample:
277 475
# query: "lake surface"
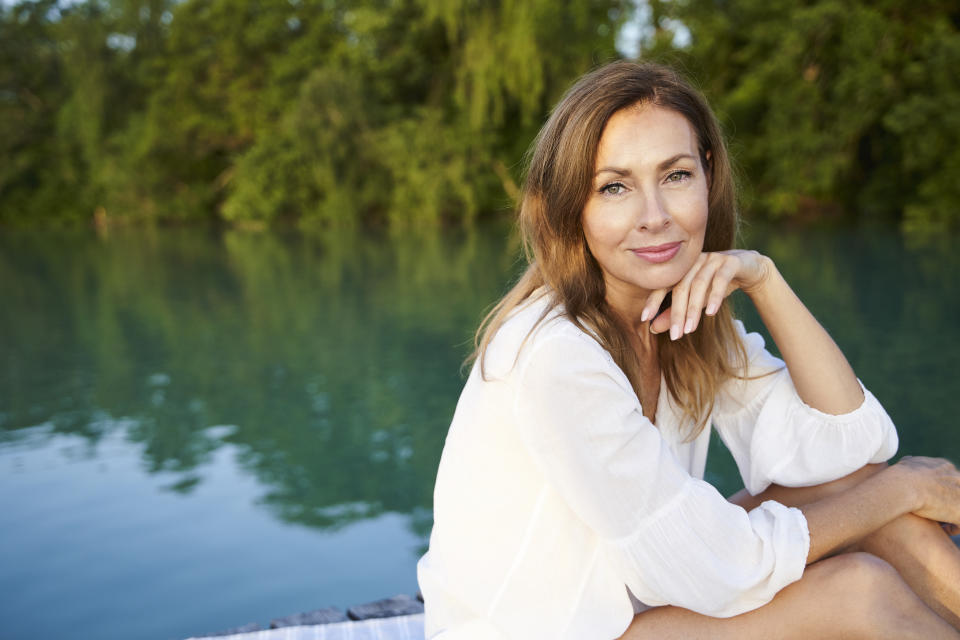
202 429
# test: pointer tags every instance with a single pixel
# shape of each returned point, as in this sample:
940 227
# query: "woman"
569 500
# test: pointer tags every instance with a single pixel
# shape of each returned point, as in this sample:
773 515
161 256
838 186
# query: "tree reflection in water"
335 359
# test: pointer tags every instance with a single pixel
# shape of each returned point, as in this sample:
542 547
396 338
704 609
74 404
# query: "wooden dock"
396 618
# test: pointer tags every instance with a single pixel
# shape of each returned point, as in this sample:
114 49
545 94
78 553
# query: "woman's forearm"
821 374
839 520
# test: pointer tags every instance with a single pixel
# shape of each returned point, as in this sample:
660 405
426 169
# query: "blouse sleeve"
675 539
776 438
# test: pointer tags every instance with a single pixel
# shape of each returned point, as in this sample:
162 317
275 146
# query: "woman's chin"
666 276
654 284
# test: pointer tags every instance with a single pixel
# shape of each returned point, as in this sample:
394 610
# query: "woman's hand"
937 485
819 371
713 277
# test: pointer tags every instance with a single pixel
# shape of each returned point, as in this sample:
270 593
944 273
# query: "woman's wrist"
764 275
906 487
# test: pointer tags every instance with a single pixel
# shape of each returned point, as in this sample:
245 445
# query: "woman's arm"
928 487
820 372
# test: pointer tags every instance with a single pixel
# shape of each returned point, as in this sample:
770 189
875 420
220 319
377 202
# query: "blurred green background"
415 113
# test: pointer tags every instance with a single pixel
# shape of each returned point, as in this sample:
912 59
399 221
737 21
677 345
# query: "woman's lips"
659 253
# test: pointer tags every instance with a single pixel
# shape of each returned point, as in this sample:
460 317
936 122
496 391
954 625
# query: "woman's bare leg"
924 555
853 595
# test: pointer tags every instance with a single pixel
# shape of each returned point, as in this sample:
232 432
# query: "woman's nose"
651 213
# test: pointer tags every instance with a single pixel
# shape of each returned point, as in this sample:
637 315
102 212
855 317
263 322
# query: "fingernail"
674 332
687 328
643 315
712 309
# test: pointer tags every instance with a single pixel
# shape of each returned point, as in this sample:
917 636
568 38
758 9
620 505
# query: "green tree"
72 78
404 113
31 91
833 105
419 112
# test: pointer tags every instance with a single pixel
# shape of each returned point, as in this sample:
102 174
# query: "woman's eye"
612 189
677 176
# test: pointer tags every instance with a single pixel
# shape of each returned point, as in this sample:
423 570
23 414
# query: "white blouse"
560 510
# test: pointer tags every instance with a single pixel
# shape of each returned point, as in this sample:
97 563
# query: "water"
199 429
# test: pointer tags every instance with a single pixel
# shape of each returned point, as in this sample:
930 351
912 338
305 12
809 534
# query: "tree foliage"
405 113
834 105
414 113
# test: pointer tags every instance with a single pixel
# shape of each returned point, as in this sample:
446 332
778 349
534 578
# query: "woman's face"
645 219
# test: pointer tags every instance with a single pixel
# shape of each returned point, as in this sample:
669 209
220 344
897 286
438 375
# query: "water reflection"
893 308
334 361
331 364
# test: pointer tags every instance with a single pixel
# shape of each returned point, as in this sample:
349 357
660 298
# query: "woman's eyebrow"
616 170
663 165
672 160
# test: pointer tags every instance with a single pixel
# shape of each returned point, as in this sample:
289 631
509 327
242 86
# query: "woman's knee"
868 593
862 573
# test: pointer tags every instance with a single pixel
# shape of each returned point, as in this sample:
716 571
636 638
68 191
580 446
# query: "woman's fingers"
679 319
709 287
702 289
938 483
713 277
662 322
722 286
701 284
654 300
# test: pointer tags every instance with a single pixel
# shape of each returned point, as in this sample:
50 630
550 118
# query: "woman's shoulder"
537 323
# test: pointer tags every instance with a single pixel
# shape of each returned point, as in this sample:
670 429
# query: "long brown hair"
561 163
